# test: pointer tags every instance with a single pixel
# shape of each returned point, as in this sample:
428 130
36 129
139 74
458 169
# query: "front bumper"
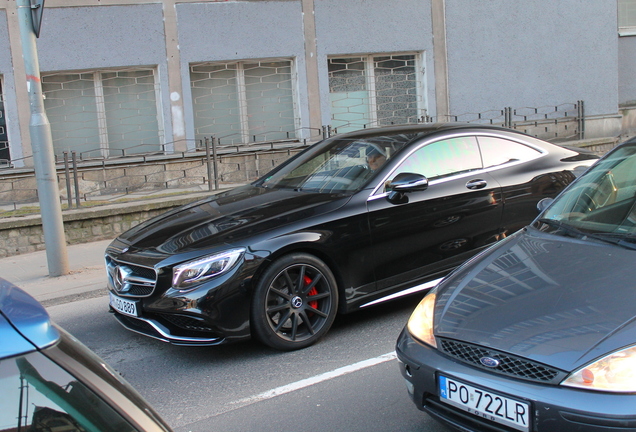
213 313
553 407
156 330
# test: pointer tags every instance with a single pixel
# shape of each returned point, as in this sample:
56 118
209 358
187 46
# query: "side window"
5 157
244 102
615 186
498 151
98 112
39 396
626 17
443 158
623 179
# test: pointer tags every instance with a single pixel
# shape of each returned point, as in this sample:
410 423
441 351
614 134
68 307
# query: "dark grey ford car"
538 333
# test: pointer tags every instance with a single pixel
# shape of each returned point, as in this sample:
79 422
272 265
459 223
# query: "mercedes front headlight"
195 272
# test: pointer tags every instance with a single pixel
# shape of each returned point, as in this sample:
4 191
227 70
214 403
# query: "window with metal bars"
375 90
103 113
627 17
5 156
244 102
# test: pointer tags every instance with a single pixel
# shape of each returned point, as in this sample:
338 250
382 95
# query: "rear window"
498 151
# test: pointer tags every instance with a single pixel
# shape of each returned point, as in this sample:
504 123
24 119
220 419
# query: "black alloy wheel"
295 302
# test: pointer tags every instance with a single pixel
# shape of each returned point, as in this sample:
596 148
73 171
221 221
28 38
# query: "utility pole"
29 16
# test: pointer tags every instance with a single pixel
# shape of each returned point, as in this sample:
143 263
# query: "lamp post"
42 142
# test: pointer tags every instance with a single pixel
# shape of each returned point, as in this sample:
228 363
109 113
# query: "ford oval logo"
489 362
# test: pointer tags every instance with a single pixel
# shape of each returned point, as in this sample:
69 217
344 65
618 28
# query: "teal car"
51 382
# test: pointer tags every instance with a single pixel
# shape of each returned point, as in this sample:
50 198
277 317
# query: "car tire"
295 302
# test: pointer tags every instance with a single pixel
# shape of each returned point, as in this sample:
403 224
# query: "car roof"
24 323
422 129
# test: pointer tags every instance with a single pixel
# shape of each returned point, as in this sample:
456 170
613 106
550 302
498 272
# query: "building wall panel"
542 53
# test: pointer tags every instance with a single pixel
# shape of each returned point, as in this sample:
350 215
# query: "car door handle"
476 184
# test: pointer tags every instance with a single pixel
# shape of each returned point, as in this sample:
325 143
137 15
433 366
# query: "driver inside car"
375 159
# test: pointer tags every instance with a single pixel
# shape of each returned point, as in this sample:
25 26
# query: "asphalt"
86 278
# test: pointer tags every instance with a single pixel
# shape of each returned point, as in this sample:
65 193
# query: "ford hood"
557 300
228 217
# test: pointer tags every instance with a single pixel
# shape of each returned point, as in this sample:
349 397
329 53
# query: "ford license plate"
127 307
485 404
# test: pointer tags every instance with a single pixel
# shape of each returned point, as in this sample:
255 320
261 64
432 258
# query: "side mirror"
408 182
403 183
544 204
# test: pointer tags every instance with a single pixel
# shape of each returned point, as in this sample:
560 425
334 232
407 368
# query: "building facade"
125 77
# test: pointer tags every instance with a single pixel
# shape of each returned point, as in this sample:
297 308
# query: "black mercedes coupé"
348 223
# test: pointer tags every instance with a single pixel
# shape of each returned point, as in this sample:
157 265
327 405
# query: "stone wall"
20 235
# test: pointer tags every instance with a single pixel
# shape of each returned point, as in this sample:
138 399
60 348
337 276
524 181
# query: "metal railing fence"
553 123
214 163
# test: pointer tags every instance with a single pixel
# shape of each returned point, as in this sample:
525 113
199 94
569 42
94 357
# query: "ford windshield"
601 204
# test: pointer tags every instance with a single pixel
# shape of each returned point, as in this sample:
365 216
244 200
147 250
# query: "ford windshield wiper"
568 229
627 241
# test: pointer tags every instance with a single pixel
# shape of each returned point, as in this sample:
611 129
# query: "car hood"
227 218
556 300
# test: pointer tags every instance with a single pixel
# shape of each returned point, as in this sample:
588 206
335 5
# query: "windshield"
338 164
601 203
40 396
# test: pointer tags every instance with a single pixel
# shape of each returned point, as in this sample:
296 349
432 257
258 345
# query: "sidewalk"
87 277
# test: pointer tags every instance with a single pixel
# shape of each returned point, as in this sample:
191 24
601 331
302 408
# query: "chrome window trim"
376 193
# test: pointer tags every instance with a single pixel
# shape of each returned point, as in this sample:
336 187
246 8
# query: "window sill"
627 31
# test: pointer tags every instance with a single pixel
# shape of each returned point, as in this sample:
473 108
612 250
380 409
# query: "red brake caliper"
312 292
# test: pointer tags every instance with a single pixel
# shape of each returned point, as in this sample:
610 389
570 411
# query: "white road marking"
270 394
311 381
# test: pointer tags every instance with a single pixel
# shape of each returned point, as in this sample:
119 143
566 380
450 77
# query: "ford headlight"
192 273
616 372
420 323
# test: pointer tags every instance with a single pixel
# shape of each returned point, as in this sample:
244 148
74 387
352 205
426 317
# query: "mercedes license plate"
127 307
484 403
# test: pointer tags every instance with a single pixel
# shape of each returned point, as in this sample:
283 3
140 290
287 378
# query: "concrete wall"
532 53
101 37
499 53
